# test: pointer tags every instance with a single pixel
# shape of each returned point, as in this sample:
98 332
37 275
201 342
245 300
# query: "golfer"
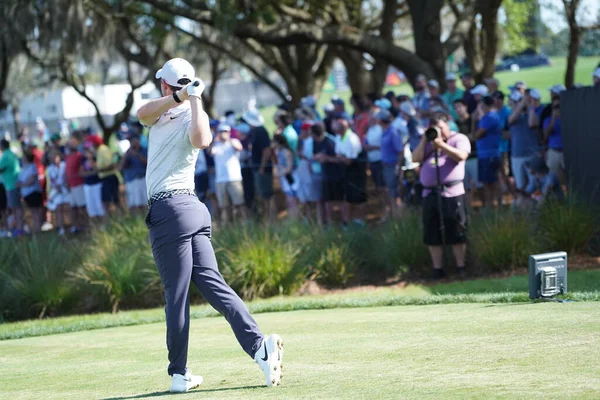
180 226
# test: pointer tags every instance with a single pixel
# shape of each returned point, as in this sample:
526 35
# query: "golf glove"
196 88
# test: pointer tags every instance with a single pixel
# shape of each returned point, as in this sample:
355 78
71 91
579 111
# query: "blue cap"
214 122
383 103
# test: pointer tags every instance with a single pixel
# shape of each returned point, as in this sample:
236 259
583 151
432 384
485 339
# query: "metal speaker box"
547 275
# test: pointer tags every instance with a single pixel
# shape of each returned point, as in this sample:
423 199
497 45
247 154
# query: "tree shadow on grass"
167 393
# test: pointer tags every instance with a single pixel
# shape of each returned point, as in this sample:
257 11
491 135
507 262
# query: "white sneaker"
270 359
183 383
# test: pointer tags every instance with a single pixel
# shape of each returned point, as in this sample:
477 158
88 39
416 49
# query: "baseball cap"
224 128
491 80
421 77
214 122
515 96
95 140
328 107
390 94
407 108
481 90
535 94
174 70
518 85
556 89
450 76
597 72
498 95
253 118
337 101
308 101
306 124
433 83
383 103
384 116
55 137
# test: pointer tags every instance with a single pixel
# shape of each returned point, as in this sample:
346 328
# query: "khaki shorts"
230 193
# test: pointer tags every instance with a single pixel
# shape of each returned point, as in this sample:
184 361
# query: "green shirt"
9 165
450 98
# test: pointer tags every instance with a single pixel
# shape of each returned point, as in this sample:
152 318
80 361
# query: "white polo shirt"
171 156
348 145
227 162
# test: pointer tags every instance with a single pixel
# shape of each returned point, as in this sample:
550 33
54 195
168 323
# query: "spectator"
321 145
333 170
230 191
463 122
452 94
392 148
339 107
285 128
133 165
31 191
373 147
596 77
92 187
546 110
553 136
453 149
503 112
488 135
421 97
469 98
545 182
349 152
58 198
75 182
361 116
391 97
329 110
524 141
9 172
107 171
310 103
492 84
288 179
246 163
478 92
261 161
310 176
414 129
535 109
519 86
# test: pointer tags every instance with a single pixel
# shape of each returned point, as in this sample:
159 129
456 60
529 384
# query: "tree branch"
198 15
460 29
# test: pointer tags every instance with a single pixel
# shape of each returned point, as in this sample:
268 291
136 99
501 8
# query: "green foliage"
34 276
567 226
502 240
120 262
518 25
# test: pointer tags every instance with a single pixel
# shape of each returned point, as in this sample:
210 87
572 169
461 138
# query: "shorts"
391 180
333 190
487 169
93 200
377 174
201 185
290 189
308 190
471 175
56 198
520 172
229 193
34 200
264 184
13 199
137 195
455 220
77 199
356 183
2 198
555 160
110 189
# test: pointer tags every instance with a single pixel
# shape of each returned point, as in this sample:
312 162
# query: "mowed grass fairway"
460 351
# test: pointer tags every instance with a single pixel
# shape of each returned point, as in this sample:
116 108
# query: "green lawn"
467 351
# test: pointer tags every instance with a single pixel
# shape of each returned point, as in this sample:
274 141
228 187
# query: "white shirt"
374 134
171 156
227 162
348 145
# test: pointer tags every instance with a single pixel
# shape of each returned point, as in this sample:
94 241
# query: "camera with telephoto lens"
432 133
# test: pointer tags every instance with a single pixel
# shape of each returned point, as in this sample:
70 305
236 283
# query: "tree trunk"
16 119
574 40
359 79
481 46
216 71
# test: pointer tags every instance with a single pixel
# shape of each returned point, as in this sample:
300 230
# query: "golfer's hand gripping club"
195 88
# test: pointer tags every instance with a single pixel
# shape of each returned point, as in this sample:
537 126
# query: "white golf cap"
433 83
450 76
535 94
556 89
174 70
515 96
224 128
481 90
597 73
407 108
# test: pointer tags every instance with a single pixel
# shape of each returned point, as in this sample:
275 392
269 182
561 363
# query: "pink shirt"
450 170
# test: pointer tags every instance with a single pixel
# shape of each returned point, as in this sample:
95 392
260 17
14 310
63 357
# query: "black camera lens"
431 134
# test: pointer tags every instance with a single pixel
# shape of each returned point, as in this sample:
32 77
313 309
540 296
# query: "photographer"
452 150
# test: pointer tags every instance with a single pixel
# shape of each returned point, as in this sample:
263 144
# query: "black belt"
170 193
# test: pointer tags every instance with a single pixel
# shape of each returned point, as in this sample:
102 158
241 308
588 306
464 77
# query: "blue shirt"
555 137
134 168
504 114
488 146
391 146
524 139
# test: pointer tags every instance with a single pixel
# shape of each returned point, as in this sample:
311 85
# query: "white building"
65 103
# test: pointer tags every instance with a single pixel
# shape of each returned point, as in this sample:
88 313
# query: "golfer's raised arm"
200 134
150 112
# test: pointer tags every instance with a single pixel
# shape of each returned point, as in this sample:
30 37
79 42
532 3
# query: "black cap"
488 100
498 95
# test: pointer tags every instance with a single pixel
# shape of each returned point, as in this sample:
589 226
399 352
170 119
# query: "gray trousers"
180 229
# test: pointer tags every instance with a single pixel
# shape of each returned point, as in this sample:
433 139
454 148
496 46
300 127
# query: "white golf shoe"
269 357
183 383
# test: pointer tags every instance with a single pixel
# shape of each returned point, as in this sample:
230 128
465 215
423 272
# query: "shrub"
567 226
37 280
258 263
501 240
120 262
